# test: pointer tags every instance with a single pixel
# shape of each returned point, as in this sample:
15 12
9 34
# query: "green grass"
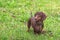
14 11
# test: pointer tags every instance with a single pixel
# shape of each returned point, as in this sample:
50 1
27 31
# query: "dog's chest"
39 23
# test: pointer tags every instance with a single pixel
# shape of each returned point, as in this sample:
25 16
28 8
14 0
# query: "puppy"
37 22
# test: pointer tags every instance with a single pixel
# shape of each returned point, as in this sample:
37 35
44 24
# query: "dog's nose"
35 18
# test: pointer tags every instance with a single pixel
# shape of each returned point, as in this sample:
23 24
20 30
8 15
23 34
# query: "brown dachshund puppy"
37 22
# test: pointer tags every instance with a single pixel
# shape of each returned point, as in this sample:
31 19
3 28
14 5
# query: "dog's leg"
29 24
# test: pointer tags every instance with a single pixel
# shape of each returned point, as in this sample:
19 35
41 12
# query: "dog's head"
40 16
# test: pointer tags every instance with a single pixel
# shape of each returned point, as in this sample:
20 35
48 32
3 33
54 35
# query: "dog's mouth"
38 18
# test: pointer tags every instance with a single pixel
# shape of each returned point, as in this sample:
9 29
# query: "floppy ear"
43 17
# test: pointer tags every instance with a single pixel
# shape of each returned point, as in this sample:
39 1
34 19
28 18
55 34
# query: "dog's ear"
43 17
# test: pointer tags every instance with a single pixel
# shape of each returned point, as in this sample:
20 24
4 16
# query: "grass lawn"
12 12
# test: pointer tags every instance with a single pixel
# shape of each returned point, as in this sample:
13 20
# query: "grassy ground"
14 11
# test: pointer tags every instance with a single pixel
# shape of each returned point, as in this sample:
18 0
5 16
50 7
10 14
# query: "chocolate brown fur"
37 22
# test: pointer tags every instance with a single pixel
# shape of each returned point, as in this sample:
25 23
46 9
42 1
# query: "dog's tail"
31 14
